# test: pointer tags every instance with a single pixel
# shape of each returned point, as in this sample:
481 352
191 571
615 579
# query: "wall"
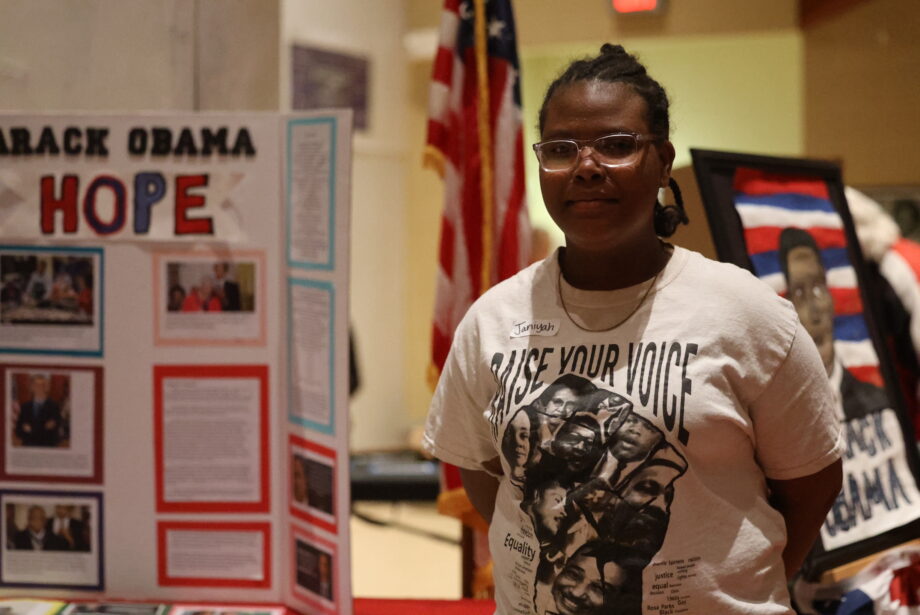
733 71
132 55
862 91
539 21
379 220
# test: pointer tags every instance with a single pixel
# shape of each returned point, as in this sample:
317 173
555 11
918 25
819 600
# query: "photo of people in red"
201 286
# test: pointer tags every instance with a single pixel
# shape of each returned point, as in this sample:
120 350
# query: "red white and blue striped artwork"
767 203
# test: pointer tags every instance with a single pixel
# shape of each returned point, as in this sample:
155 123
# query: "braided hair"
614 64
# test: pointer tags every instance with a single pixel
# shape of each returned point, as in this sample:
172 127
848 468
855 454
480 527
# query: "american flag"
767 203
475 140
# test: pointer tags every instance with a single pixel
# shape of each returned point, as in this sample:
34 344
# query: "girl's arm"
481 487
804 503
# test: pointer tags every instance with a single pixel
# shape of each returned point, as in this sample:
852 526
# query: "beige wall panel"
541 22
237 52
862 92
96 55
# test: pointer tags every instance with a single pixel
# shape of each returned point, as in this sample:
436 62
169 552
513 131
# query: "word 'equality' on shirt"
520 546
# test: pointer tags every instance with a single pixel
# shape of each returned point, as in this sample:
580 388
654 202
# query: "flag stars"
496 28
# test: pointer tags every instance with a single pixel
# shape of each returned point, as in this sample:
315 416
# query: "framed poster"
324 79
787 221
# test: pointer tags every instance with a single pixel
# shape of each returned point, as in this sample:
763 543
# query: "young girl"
683 449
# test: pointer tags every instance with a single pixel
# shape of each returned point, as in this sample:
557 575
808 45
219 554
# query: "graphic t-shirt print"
597 481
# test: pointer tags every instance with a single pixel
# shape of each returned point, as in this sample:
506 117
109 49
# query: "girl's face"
599 207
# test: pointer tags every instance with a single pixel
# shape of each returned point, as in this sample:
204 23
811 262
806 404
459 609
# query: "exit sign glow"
636 6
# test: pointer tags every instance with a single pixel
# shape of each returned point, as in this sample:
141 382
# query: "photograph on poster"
115 608
51 418
49 300
24 606
205 298
223 609
51 539
214 554
312 480
311 314
211 438
314 571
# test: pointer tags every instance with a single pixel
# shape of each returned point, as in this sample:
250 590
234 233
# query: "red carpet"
373 606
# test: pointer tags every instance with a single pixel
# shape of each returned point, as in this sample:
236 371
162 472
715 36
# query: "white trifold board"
174 357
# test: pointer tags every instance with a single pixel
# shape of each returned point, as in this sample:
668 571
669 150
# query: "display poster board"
173 361
787 221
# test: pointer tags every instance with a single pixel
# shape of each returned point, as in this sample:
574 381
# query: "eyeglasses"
617 150
813 292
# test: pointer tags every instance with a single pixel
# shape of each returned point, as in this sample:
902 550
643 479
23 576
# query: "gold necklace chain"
611 328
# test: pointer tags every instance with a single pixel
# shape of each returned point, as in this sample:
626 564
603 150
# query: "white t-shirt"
634 461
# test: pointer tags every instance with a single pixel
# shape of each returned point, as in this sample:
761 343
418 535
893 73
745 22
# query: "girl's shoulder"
731 291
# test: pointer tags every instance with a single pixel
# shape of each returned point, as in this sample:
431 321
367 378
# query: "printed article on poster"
215 554
212 438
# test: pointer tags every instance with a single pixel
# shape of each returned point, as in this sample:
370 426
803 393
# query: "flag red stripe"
443 66
756 182
867 373
766 238
440 346
448 237
510 258
847 301
437 135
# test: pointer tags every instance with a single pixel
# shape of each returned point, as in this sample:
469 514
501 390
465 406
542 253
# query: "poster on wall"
323 79
786 220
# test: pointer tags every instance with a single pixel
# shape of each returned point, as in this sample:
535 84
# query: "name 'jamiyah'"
520 546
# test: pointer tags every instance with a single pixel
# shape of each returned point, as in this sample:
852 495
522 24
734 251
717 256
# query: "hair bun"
608 49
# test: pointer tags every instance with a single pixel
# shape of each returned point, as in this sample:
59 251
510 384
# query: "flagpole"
485 141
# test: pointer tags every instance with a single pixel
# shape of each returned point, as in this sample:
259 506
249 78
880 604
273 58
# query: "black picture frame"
715 173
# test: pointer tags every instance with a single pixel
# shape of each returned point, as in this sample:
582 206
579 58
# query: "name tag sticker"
544 328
